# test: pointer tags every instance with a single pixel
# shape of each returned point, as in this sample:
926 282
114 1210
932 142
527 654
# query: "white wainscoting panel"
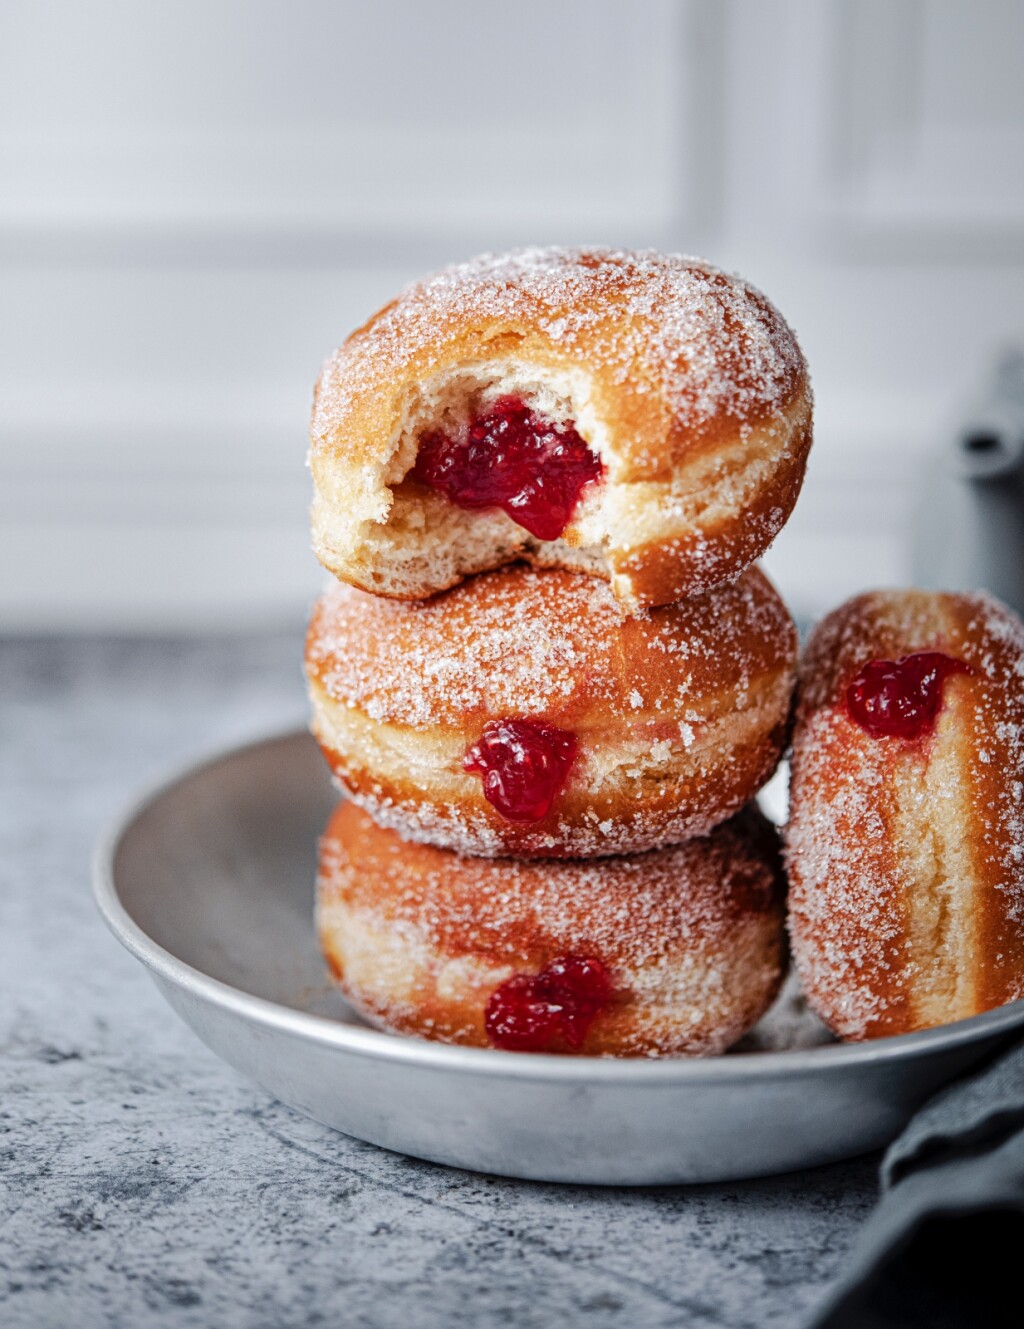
199 198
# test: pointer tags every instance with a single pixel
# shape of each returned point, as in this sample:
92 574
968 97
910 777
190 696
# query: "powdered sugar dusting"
1000 794
462 652
714 343
634 910
846 917
467 828
547 643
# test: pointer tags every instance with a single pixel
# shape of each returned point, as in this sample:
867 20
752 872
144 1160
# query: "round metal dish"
209 881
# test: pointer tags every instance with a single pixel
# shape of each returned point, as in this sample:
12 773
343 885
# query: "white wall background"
199 198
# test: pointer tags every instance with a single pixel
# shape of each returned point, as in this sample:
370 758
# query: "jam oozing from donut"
541 1012
510 458
901 698
524 763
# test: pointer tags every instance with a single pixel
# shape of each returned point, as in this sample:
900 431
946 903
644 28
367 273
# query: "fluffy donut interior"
933 804
624 759
409 541
424 536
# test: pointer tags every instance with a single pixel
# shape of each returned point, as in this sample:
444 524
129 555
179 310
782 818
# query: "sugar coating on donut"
680 715
906 858
692 936
524 642
685 381
713 343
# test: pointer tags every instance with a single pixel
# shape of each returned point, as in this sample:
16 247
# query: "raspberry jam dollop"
901 698
524 763
510 458
541 1012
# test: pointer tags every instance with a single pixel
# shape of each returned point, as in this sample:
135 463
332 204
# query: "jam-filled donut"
677 951
641 417
905 845
524 713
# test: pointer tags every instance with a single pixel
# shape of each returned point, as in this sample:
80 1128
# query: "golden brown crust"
680 715
906 859
672 567
419 937
685 379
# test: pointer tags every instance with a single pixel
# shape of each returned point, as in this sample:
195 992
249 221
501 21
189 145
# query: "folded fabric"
942 1248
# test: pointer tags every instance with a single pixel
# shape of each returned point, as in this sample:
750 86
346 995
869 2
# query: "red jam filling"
542 1012
901 698
524 763
533 469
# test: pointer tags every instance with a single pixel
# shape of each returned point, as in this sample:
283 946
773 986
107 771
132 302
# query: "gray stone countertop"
143 1182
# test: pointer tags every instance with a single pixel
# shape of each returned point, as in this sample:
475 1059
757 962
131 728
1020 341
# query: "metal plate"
209 881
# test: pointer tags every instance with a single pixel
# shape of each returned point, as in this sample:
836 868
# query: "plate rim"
490 1062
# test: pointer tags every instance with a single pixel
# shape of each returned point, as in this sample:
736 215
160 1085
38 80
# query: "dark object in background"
942 1250
969 525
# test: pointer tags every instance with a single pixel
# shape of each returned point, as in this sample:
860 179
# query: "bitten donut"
524 713
641 417
905 845
677 951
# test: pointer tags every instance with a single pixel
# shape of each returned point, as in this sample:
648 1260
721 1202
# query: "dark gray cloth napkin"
945 1247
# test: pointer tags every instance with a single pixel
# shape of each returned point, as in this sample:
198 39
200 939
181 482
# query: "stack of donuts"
550 679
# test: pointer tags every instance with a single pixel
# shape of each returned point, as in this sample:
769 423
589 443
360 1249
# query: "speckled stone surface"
144 1183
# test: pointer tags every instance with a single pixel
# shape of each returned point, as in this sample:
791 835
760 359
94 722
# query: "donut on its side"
679 716
906 855
685 382
691 938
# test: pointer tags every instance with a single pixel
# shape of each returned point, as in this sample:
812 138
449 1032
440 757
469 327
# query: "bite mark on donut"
524 764
685 384
509 457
